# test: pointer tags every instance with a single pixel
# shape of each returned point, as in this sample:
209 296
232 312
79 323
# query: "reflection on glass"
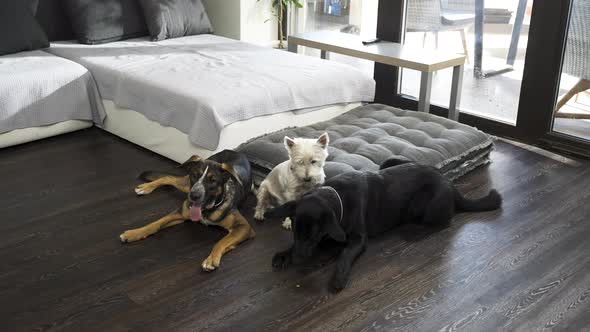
572 115
357 17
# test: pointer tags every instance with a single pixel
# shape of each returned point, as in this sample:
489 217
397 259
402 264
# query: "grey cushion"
368 135
19 30
175 18
53 19
105 21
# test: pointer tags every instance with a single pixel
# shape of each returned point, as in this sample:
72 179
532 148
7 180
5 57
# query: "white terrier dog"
289 180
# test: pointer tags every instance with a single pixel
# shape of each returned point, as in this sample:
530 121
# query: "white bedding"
172 143
201 84
38 89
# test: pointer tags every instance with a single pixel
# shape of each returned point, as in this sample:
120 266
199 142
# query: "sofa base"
25 135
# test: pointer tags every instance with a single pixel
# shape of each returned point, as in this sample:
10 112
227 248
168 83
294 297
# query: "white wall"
225 16
256 27
369 18
243 20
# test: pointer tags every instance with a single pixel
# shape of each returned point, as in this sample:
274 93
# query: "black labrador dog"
353 206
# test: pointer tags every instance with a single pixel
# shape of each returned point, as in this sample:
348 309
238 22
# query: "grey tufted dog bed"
368 135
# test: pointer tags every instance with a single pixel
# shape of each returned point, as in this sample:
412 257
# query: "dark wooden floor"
65 200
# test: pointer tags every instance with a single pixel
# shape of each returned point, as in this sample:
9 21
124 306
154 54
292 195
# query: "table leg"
425 89
479 18
456 87
478 52
324 55
516 32
291 47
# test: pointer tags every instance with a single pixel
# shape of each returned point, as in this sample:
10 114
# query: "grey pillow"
105 21
19 30
33 4
54 21
175 18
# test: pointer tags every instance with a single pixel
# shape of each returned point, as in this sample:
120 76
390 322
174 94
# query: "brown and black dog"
215 187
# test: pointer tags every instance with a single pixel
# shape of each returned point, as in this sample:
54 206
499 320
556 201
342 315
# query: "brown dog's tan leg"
170 220
239 231
181 183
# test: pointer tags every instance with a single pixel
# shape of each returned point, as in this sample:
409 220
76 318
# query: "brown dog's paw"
132 235
143 189
210 264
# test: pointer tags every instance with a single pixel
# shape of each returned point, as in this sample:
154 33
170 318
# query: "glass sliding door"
350 16
572 111
493 34
515 51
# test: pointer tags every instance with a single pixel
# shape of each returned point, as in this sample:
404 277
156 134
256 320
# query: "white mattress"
174 144
201 84
20 136
39 89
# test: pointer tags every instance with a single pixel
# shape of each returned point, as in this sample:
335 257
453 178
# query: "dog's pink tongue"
195 213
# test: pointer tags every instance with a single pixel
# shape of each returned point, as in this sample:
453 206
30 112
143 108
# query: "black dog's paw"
281 260
337 283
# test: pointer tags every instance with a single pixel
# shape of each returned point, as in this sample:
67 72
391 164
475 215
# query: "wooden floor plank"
65 200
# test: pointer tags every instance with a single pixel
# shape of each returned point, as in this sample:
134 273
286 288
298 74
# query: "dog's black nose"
307 179
195 196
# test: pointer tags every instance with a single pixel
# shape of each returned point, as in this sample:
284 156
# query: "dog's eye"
314 161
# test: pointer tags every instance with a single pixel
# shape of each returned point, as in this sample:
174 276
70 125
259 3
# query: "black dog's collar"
339 200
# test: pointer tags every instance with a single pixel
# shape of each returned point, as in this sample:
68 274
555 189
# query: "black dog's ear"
333 227
283 211
391 162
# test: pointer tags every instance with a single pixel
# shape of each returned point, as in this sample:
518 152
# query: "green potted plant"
278 11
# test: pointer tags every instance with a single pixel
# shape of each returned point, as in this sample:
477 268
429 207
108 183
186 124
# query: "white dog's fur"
287 181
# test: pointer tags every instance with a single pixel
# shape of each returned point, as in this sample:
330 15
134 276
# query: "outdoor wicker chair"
440 15
577 54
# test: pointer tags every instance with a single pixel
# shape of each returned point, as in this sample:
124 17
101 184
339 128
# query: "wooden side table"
393 54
